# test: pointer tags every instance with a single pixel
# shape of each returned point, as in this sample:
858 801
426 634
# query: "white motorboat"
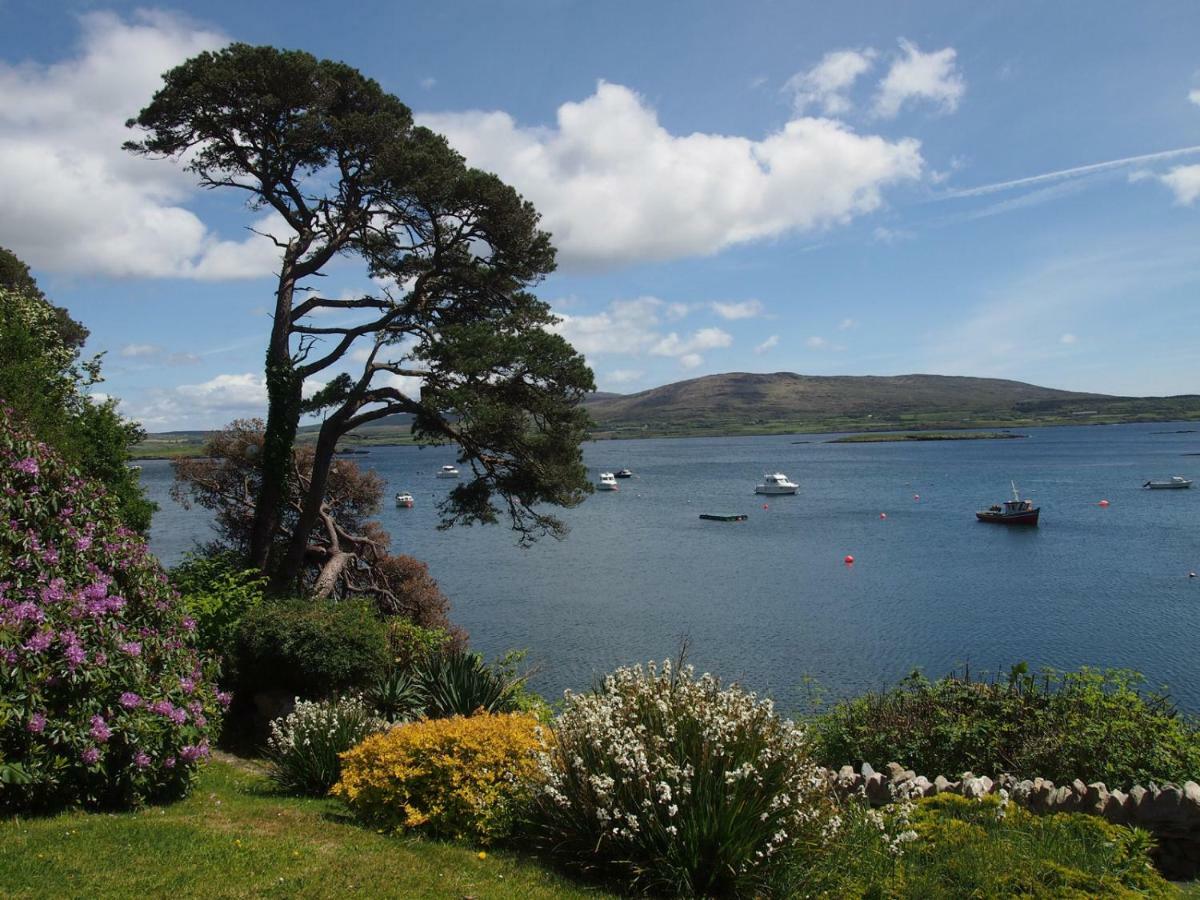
608 482
447 472
405 499
1174 483
777 483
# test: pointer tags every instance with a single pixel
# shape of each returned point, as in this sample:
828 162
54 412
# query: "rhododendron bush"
104 700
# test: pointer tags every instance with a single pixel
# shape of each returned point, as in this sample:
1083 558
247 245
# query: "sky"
1002 190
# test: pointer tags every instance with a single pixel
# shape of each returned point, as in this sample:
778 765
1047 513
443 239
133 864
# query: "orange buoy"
849 560
1103 503
766 506
883 515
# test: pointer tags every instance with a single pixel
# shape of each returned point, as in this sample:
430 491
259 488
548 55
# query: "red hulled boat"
1013 512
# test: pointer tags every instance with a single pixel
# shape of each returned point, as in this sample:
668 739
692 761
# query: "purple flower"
169 762
133 648
83 543
130 700
224 698
187 684
141 760
91 756
192 753
100 731
27 612
37 723
162 707
76 655
28 465
39 642
189 624
178 716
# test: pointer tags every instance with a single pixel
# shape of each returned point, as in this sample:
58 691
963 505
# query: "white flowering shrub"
669 782
304 746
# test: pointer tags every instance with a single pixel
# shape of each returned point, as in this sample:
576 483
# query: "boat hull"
775 490
724 517
999 518
606 487
1168 486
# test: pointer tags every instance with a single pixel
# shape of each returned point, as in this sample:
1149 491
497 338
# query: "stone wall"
1170 812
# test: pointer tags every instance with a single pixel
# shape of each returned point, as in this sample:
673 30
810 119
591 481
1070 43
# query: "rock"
922 786
1061 800
1114 808
1043 791
988 784
867 771
941 784
1096 798
1137 797
877 790
1191 795
1166 805
1022 791
973 788
894 771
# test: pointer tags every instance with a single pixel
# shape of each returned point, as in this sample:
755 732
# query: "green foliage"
304 747
411 645
985 848
104 699
397 695
45 382
1093 725
669 783
311 648
457 683
218 591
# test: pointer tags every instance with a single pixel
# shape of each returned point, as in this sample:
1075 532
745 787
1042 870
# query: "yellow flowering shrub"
457 777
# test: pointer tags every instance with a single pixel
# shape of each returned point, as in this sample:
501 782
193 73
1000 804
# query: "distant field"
927 436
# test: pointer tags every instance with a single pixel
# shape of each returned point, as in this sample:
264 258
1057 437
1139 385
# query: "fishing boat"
724 517
405 499
777 483
1013 512
1174 483
624 473
608 482
447 472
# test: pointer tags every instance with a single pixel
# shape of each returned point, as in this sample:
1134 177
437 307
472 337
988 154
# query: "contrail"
1067 173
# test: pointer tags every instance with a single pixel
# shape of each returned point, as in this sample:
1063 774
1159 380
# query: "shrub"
218 591
1091 725
104 700
304 746
956 847
397 695
670 783
310 648
457 683
458 777
411 646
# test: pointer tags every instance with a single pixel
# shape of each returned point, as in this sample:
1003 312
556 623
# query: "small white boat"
608 482
405 499
447 472
777 483
1175 482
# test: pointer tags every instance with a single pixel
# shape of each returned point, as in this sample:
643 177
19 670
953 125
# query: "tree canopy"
454 251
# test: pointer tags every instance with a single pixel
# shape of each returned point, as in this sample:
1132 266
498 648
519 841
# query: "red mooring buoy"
1103 503
883 515
849 560
766 506
916 496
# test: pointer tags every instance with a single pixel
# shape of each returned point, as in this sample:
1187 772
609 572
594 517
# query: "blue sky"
882 188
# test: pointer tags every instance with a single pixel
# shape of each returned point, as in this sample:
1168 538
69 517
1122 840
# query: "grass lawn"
235 837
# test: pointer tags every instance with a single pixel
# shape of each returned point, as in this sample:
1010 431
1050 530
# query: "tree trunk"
284 395
287 574
330 572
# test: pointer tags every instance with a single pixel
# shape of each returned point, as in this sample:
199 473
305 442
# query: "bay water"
770 601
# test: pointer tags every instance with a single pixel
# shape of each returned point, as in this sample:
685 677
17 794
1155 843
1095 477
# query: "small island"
880 437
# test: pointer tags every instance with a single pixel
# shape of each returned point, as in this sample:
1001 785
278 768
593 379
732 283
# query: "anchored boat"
1174 483
447 472
608 482
776 484
725 517
405 499
1013 512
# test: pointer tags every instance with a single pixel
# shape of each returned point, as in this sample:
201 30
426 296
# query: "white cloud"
816 343
627 326
428 82
847 324
1194 96
767 345
615 187
704 339
1068 338
227 391
623 376
1184 181
827 83
742 309
74 200
917 76
690 360
133 351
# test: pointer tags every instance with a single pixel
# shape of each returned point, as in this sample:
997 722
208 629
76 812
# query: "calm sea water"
770 602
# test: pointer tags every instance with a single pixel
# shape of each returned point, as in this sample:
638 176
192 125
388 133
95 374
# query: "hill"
745 403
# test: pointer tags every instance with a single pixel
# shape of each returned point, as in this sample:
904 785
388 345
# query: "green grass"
236 837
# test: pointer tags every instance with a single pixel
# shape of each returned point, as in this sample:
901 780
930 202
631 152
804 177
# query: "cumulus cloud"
767 345
816 343
627 326
614 186
207 404
916 76
827 83
847 324
743 309
1194 96
1068 338
74 200
133 351
1184 182
690 360
704 339
623 376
